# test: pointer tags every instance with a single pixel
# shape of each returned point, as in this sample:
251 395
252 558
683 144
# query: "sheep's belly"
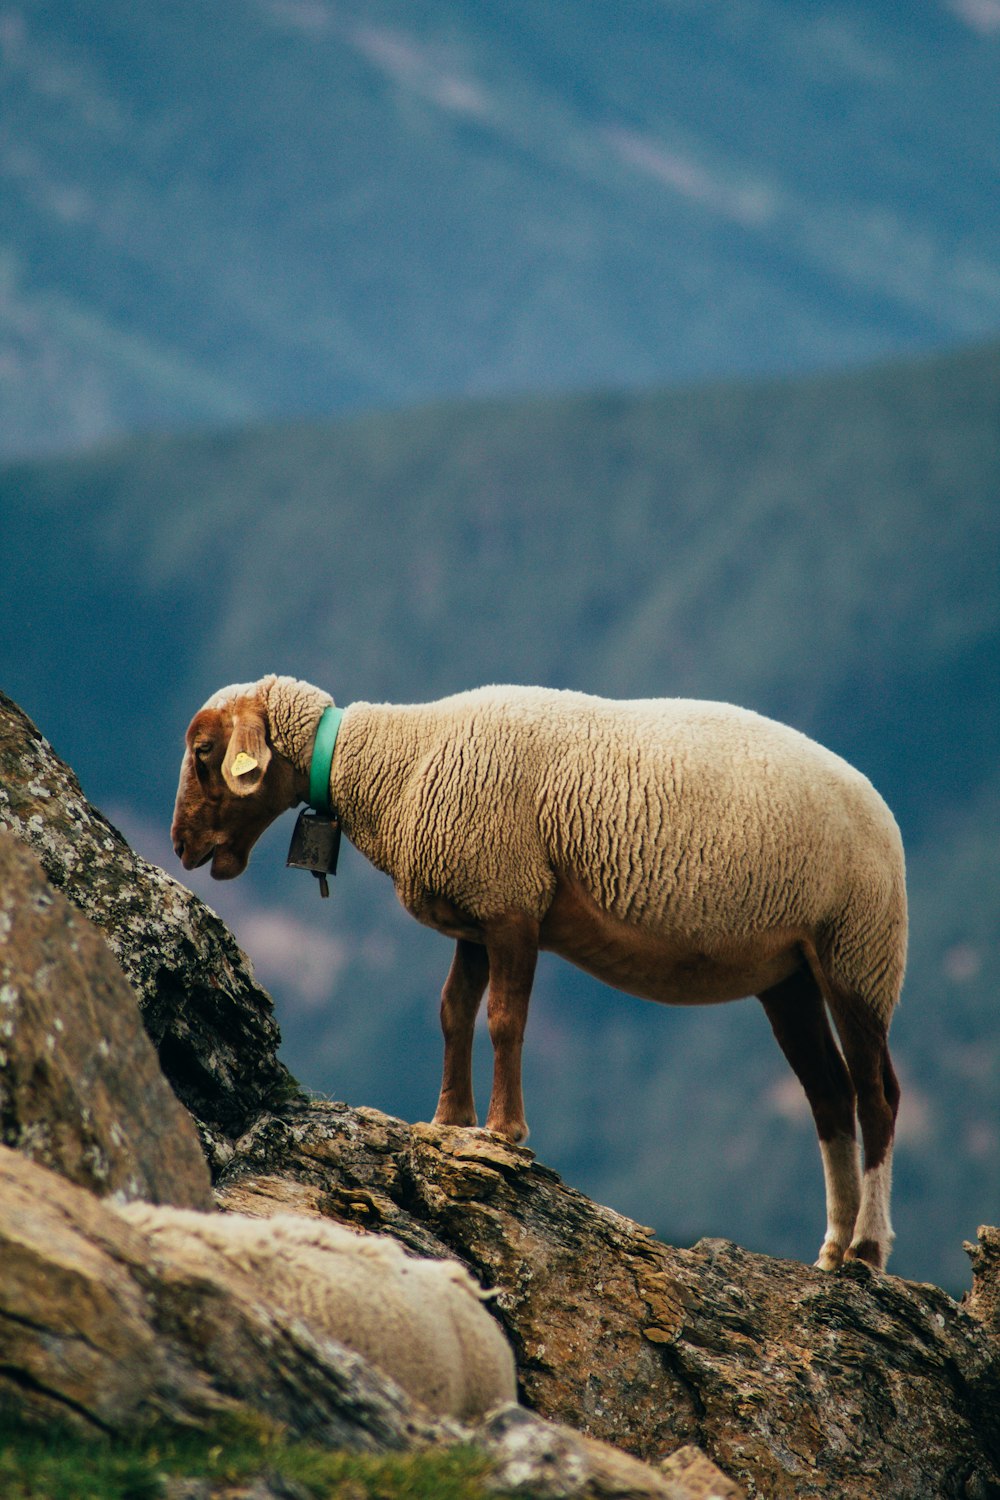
662 966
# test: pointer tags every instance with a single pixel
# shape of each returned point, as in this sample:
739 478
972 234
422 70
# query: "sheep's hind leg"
797 1013
512 946
460 1000
864 1040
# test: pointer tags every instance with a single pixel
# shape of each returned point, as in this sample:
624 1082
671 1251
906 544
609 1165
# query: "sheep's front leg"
460 1000
512 947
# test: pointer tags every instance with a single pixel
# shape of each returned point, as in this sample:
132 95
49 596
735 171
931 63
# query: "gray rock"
80 1087
211 1023
105 1334
983 1301
694 1477
793 1381
547 1461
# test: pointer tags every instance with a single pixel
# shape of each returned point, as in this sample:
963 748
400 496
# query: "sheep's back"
673 815
701 814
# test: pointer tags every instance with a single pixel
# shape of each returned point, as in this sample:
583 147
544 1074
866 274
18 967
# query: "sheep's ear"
247 756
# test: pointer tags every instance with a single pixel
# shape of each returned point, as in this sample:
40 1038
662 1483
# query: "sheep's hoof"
831 1256
445 1115
515 1134
868 1251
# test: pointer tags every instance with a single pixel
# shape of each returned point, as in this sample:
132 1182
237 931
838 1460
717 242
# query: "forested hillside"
823 550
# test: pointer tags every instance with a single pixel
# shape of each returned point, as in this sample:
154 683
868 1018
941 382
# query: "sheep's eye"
203 750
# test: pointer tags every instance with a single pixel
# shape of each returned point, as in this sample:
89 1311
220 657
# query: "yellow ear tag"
243 763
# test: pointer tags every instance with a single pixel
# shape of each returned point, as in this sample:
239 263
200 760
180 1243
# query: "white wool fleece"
673 814
421 1321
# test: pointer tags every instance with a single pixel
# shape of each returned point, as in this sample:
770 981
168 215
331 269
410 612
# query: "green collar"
322 759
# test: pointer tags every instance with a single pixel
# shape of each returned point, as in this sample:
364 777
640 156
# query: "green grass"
42 1465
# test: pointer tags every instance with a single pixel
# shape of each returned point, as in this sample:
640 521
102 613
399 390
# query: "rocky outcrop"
80 1087
983 1301
544 1461
418 1320
110 1329
211 1023
795 1382
101 1333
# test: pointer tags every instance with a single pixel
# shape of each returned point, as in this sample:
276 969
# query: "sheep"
420 1321
686 852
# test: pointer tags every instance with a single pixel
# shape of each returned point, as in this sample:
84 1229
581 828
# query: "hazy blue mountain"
825 550
228 208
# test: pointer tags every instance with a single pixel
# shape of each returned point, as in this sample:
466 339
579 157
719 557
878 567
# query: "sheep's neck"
377 750
293 711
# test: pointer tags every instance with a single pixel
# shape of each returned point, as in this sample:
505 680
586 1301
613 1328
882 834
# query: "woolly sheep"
421 1322
682 851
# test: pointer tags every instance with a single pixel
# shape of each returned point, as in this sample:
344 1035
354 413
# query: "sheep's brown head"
233 785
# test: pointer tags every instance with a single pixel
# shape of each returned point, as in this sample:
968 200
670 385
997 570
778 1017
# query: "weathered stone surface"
546 1461
696 1477
80 1086
105 1333
983 1301
209 1020
112 1325
794 1382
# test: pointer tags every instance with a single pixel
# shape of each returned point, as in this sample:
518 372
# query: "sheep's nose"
179 848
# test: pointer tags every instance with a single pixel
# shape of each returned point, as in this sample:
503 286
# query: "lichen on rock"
794 1381
211 1023
81 1090
983 1301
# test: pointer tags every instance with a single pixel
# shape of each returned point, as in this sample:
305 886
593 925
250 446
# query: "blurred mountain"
823 549
234 208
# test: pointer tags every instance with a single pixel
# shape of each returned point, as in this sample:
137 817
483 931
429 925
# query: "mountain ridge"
290 206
